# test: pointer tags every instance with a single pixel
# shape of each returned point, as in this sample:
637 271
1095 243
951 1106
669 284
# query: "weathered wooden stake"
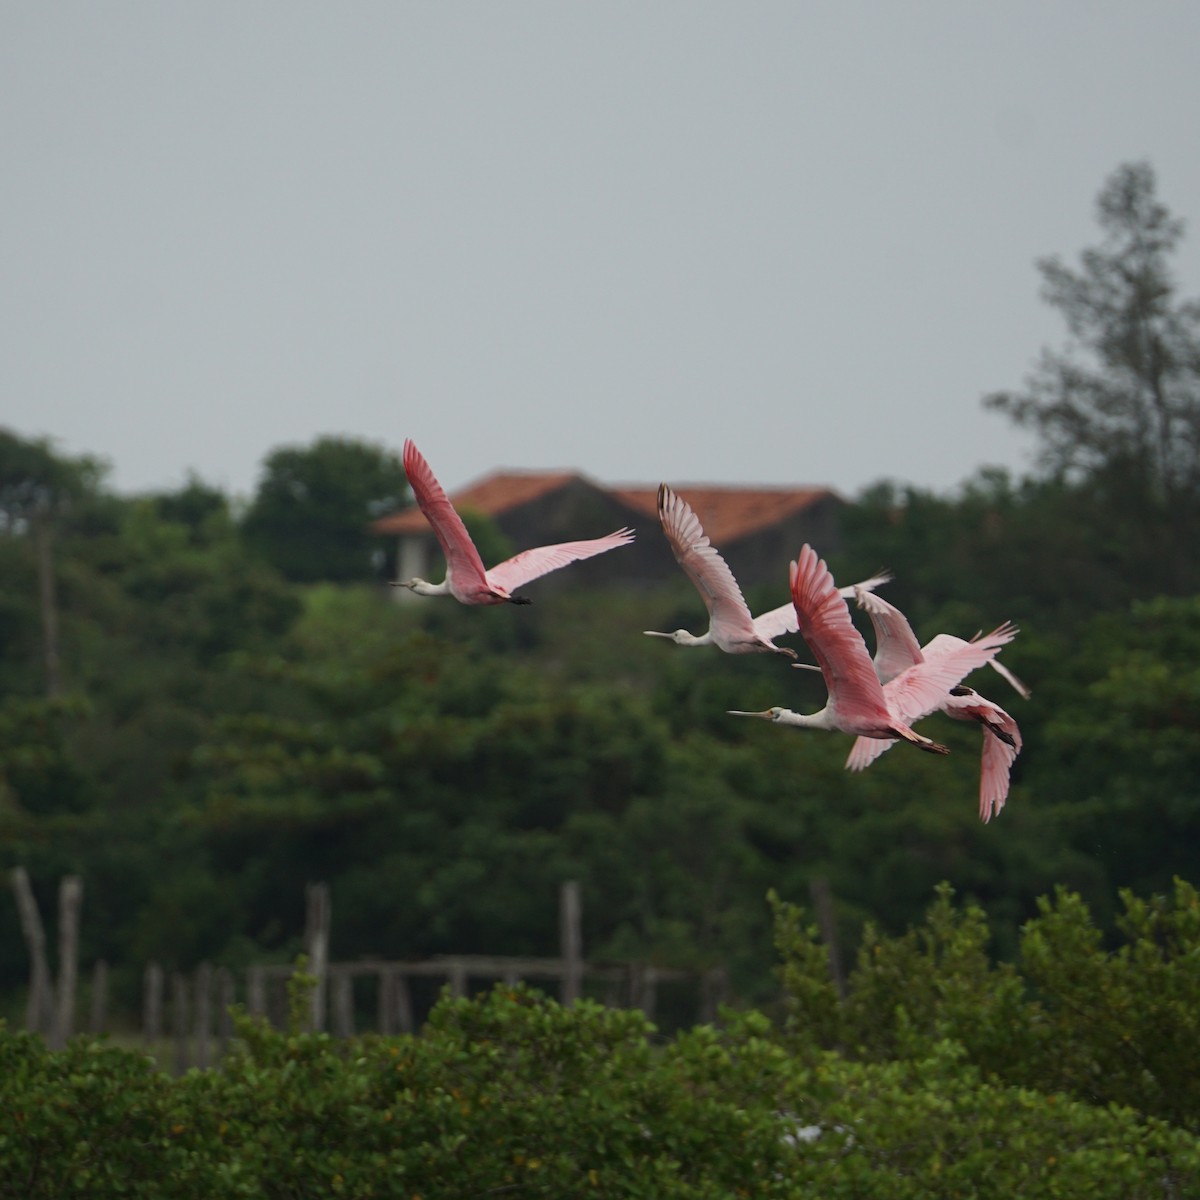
570 942
256 991
341 986
179 1020
70 899
203 986
317 943
39 1006
223 978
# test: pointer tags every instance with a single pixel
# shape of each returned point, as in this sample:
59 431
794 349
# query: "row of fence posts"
198 1003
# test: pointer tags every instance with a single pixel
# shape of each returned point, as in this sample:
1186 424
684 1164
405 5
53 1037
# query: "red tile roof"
729 513
493 495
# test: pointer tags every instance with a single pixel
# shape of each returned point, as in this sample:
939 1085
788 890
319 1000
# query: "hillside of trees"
205 706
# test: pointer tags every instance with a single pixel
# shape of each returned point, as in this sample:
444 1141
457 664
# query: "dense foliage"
510 1093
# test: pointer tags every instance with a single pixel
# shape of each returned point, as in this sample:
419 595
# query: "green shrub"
510 1094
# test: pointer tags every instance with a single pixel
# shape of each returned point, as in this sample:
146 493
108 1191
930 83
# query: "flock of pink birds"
878 700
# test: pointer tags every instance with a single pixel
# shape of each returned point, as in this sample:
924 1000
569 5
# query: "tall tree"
35 486
309 517
1120 407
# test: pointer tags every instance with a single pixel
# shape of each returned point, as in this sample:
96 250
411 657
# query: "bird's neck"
424 588
805 720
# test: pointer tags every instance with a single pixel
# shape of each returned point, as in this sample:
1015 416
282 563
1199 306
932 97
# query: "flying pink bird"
467 580
858 703
730 626
898 650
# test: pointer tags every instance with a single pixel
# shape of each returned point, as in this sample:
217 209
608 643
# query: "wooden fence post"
203 1005
317 941
256 991
570 942
223 978
179 1020
39 1007
70 899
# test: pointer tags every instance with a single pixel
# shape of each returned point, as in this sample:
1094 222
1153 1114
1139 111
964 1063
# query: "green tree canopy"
310 515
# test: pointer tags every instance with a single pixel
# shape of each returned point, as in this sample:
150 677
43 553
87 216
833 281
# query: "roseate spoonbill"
466 578
858 703
730 626
898 650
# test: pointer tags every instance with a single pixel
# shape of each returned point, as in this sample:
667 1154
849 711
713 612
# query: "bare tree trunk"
48 597
39 1008
70 899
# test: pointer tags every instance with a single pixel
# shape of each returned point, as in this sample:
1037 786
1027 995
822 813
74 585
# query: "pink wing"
776 622
464 567
541 560
938 643
925 687
728 615
824 623
896 646
996 757
781 620
866 750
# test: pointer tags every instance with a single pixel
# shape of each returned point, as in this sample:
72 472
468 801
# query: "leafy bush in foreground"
512 1094
1117 1026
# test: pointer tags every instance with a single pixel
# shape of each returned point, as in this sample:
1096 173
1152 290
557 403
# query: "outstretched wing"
728 614
464 567
924 687
824 622
896 646
541 560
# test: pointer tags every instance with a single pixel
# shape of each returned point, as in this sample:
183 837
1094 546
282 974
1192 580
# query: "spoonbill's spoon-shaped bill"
730 625
467 580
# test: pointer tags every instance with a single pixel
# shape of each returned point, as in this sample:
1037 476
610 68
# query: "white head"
680 637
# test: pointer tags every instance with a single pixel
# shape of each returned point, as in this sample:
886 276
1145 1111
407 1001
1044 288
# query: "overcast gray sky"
780 243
